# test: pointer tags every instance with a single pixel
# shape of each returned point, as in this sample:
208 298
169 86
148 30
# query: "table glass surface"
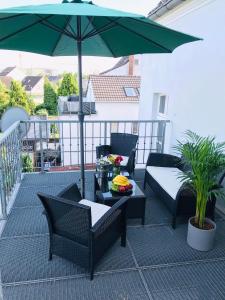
136 191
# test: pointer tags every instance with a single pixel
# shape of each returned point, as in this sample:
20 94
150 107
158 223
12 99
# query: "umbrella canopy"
82 28
51 30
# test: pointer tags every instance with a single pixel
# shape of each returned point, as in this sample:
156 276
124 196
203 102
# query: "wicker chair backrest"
123 143
68 219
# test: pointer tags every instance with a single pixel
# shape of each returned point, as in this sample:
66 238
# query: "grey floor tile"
202 281
163 245
25 221
117 286
24 259
27 196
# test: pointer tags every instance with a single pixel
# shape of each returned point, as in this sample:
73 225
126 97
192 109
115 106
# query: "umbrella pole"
80 112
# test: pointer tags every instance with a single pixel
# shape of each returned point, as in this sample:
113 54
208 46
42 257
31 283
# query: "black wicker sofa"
161 174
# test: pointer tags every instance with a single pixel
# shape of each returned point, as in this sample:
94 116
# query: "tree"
42 112
50 98
18 96
32 105
27 163
68 85
4 98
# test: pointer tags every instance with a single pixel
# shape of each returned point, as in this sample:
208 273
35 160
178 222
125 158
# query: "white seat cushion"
97 210
123 162
167 179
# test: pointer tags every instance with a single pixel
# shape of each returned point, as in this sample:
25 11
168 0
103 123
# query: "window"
130 92
162 104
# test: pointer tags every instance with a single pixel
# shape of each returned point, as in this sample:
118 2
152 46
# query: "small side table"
136 203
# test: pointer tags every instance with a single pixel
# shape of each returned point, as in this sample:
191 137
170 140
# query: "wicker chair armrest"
103 150
118 208
185 190
221 178
71 192
164 160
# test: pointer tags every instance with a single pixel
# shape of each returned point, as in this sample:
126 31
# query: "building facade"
187 87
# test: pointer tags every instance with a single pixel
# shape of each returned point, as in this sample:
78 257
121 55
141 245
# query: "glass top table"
136 202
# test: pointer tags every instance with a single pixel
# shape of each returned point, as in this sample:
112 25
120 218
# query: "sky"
91 65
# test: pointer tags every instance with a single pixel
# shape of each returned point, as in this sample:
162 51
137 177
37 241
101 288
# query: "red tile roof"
111 88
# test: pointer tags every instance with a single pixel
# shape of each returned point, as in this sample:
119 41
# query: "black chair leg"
50 255
123 239
174 222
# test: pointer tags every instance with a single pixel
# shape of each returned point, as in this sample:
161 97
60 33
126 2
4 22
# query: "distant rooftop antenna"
12 115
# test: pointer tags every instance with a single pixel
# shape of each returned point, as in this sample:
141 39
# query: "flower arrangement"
115 159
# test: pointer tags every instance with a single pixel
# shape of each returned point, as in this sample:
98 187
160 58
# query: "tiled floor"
156 264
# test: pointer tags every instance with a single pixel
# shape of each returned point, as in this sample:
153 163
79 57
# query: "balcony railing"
54 145
10 165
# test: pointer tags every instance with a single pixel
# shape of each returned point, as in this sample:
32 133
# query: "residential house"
12 72
6 80
54 79
126 66
114 99
187 87
34 86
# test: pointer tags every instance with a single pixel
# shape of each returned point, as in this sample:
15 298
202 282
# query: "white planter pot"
201 239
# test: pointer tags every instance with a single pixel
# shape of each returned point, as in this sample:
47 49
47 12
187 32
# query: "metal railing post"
19 149
2 193
105 132
41 148
163 136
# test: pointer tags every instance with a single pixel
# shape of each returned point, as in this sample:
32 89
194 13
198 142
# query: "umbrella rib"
106 43
11 17
90 22
20 30
55 27
56 44
144 37
102 29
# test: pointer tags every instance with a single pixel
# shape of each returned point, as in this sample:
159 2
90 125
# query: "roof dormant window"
130 92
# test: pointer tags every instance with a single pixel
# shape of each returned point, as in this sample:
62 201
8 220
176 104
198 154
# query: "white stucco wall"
193 77
115 111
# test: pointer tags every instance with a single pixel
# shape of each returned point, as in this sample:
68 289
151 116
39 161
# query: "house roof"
6 71
29 82
162 7
111 88
54 78
6 80
123 61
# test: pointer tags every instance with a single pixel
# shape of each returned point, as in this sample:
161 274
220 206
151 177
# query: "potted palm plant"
204 161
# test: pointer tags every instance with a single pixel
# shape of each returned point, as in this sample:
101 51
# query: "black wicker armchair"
121 144
79 231
161 175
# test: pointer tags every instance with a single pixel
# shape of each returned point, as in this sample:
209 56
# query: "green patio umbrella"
82 28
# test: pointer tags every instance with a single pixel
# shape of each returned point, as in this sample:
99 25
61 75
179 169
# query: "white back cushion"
167 178
97 210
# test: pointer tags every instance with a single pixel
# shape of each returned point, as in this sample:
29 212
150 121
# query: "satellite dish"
12 115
